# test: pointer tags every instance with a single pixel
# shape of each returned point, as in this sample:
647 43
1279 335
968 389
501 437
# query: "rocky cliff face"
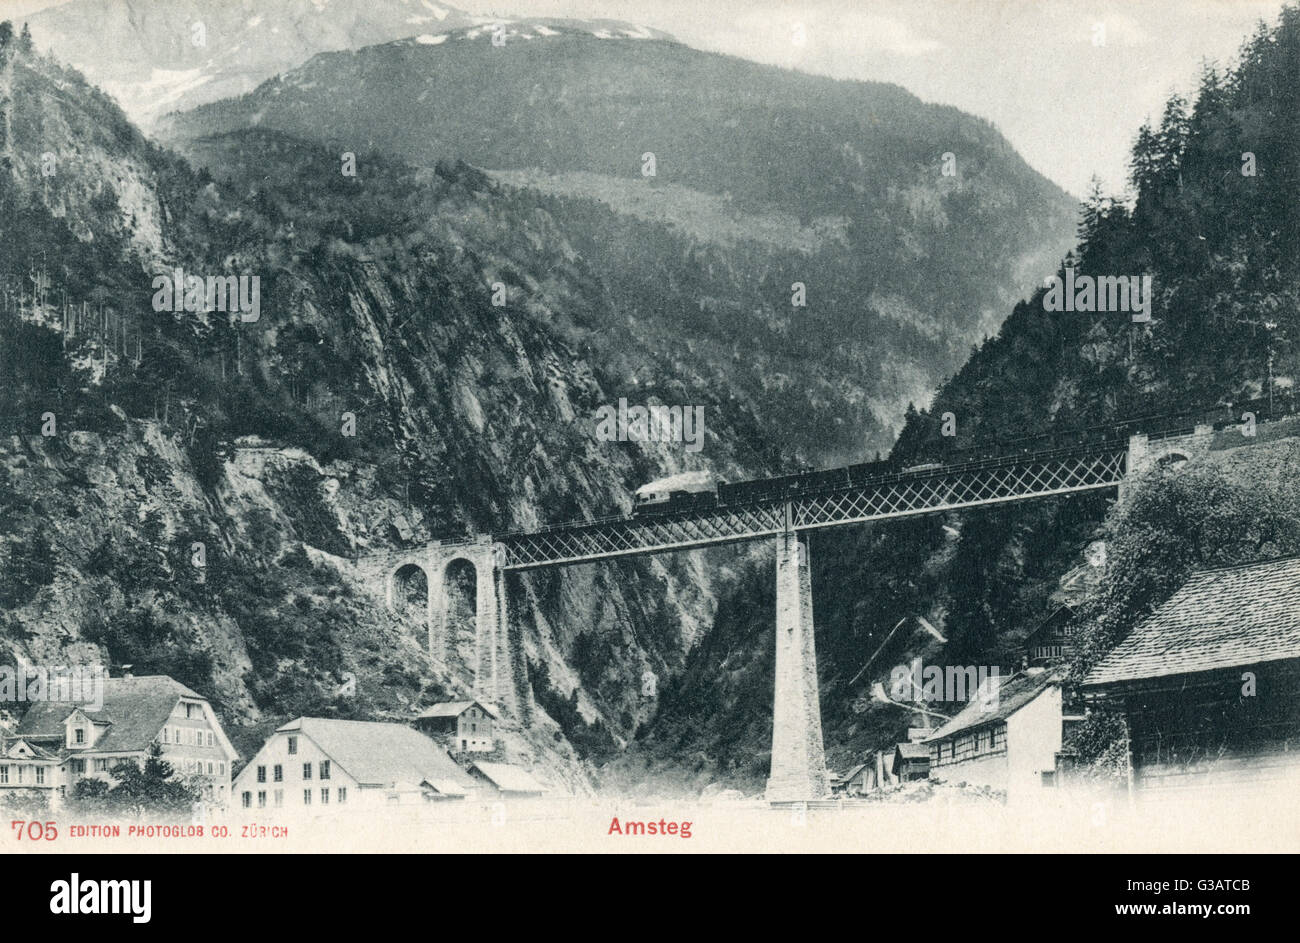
824 250
430 352
198 507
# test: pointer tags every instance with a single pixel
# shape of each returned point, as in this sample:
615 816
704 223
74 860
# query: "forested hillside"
1214 217
700 189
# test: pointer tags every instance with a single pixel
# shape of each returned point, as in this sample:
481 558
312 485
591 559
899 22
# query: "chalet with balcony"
1052 642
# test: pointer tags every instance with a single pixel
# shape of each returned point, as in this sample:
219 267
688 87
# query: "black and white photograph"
651 427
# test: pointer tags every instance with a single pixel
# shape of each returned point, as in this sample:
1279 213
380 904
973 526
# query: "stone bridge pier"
500 670
1146 454
798 771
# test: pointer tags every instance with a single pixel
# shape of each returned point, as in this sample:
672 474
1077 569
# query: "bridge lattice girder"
1033 476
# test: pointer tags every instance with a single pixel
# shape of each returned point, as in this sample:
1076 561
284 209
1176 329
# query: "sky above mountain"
1068 106
1068 96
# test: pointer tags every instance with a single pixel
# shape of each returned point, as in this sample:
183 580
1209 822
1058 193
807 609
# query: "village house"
505 781
875 773
855 781
58 743
1209 685
1052 641
911 762
1008 744
460 726
321 765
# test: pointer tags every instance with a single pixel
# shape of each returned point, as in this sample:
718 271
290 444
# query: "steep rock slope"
185 436
1214 224
701 188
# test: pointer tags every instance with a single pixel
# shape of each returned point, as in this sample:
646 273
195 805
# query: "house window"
293 745
324 797
306 771
343 793
221 768
40 775
209 767
306 797
79 735
20 774
324 769
101 766
248 800
4 774
209 738
190 709
77 766
279 798
261 774
261 799
278 773
167 735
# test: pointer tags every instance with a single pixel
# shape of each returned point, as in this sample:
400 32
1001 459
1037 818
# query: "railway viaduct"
798 764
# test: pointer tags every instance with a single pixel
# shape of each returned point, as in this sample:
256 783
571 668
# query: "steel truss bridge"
975 484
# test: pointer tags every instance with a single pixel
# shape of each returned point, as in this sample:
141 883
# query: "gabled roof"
853 771
904 752
509 778
377 754
454 709
13 747
912 751
1060 616
1013 694
1222 618
134 709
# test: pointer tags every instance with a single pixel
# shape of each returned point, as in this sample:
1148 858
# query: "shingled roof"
1221 618
509 778
380 754
135 709
1012 694
454 709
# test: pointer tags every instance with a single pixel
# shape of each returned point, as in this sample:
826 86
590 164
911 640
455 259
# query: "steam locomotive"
695 490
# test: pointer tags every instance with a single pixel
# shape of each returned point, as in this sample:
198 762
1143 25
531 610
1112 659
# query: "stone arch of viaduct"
500 671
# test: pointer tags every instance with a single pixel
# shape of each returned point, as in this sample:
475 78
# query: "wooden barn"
1210 684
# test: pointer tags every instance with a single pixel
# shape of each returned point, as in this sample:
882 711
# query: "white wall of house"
191 742
290 792
1033 740
989 770
474 731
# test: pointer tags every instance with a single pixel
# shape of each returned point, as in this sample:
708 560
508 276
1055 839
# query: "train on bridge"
698 490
